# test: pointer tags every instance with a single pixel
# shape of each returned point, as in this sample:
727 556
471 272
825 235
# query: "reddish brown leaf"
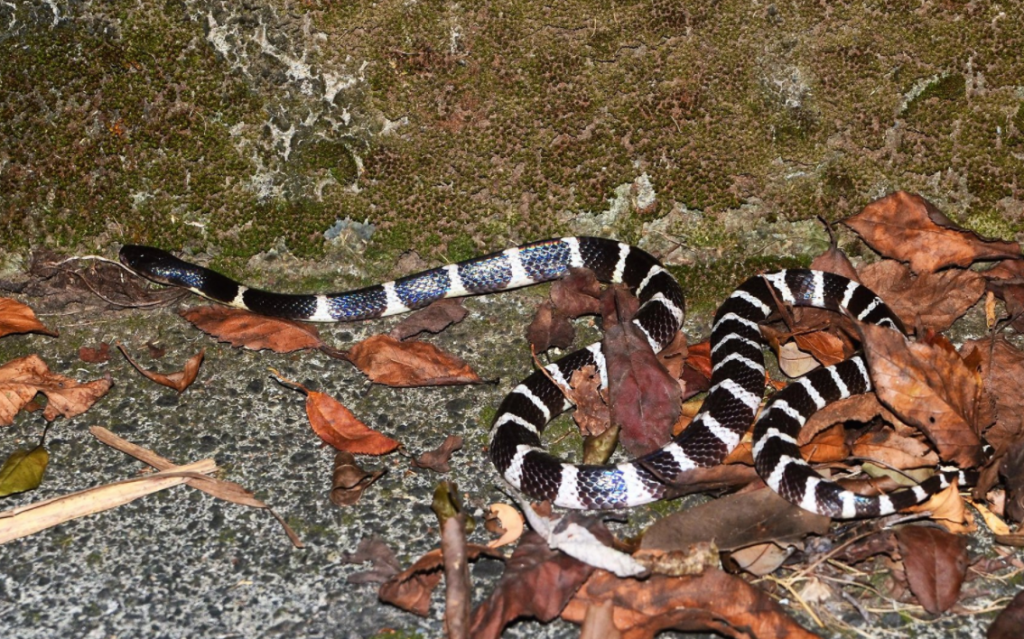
735 521
859 408
180 380
903 226
432 319
713 601
549 329
577 294
255 332
929 386
936 564
437 459
936 299
410 589
22 379
1009 622
835 261
349 480
15 317
537 583
409 364
95 355
645 399
337 426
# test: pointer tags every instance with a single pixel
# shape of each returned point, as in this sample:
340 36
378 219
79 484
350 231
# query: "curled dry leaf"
374 550
579 293
592 414
409 364
930 386
432 319
180 380
759 559
936 564
255 332
713 601
437 459
349 480
22 379
948 510
15 317
410 589
935 299
538 582
23 470
511 522
908 228
337 426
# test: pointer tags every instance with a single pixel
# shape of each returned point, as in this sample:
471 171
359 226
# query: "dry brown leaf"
432 319
936 564
760 559
410 589
936 300
537 583
255 332
337 426
904 226
930 386
437 459
374 550
349 480
645 400
95 355
23 378
550 328
409 364
15 317
735 521
889 448
713 601
577 294
592 414
948 510
180 380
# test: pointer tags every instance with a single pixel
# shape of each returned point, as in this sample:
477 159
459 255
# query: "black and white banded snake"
736 385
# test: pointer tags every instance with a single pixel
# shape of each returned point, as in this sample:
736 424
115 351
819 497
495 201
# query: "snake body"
736 385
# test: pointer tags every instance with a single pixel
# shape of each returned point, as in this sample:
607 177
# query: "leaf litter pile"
747 564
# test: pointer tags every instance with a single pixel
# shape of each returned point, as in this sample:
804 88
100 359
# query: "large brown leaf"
22 379
936 299
908 228
255 332
15 317
645 399
713 601
936 564
735 521
387 361
930 386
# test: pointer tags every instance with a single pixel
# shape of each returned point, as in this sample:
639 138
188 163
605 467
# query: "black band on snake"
737 381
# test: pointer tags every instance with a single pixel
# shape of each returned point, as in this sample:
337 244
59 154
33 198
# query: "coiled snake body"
737 381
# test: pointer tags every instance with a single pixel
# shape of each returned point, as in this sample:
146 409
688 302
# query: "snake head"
158 265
